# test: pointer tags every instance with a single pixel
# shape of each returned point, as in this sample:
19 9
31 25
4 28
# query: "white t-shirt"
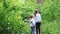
32 24
37 18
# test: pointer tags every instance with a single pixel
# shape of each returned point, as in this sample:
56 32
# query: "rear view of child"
32 24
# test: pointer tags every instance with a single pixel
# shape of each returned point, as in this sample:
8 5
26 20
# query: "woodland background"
14 16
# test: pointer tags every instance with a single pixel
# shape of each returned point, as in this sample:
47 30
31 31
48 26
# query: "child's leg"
32 30
36 28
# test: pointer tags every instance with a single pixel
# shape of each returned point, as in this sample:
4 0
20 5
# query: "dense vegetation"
14 16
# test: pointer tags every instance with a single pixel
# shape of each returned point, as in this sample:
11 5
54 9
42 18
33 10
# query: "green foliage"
50 15
14 16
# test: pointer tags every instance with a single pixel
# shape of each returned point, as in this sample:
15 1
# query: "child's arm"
33 23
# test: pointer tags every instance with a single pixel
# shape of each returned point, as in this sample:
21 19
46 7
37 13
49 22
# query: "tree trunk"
39 1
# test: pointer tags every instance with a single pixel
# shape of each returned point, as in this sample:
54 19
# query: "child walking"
32 24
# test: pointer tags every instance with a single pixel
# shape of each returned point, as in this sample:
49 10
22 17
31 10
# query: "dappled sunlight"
14 16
